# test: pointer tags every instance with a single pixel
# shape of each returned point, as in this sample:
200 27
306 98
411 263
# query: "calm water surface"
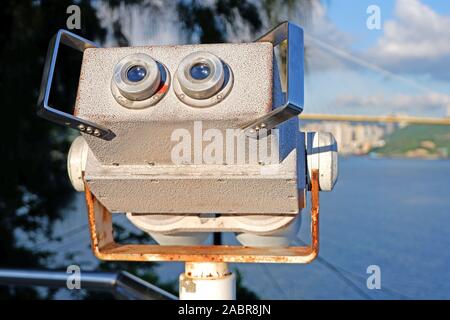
394 213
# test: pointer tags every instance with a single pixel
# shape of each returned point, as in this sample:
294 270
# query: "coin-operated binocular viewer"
193 139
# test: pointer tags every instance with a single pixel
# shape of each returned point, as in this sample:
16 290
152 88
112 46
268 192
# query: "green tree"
34 188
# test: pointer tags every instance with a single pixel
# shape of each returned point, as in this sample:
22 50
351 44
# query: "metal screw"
89 130
81 127
263 125
97 133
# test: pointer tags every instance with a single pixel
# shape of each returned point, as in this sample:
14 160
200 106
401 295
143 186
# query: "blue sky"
402 68
350 16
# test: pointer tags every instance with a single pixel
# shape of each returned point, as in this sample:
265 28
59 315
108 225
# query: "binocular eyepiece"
201 80
222 111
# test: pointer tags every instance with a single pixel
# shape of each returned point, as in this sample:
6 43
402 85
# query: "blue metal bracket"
293 104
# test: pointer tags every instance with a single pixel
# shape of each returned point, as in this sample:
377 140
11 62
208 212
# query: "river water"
392 213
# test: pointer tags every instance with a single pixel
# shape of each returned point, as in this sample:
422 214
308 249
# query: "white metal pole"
207 281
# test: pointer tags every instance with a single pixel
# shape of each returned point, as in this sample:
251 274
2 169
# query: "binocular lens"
200 71
136 73
200 75
136 77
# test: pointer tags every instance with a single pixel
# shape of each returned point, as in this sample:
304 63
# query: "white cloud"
318 28
319 25
399 103
417 40
312 16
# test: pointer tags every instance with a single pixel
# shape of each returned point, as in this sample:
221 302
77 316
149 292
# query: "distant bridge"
390 118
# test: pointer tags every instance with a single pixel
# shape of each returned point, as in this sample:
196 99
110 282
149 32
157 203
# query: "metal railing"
122 285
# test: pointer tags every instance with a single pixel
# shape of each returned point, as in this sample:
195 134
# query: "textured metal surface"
104 247
172 189
144 136
251 189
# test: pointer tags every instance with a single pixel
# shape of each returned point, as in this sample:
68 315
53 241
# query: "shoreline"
399 157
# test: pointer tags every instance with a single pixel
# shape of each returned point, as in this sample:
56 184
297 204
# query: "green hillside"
418 141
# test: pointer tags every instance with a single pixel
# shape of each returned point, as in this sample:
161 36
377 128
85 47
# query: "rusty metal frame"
105 248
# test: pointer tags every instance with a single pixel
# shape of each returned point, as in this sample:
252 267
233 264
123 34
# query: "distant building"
352 138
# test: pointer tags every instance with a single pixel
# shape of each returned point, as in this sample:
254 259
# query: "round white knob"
322 154
76 162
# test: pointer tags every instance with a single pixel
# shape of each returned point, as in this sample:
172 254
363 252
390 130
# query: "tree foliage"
34 187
